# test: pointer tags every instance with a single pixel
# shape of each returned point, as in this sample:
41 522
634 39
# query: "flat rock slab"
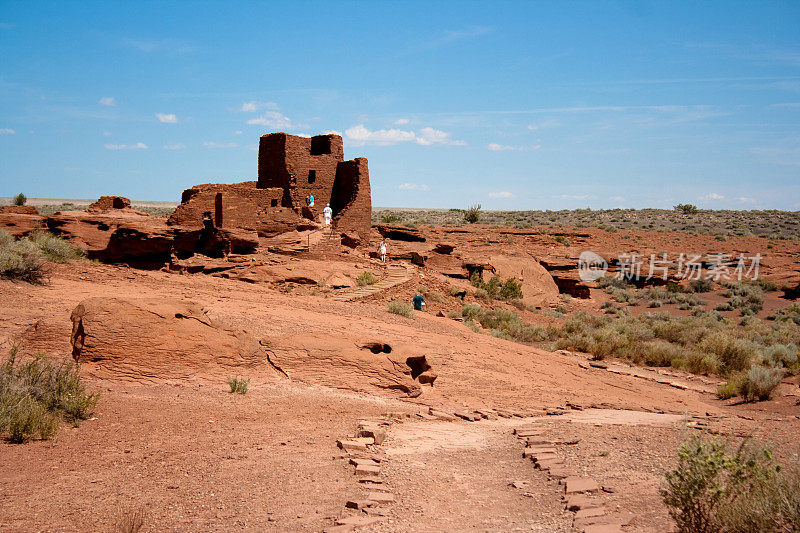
376 434
582 501
556 472
590 513
576 485
358 461
549 464
367 470
441 415
381 497
351 446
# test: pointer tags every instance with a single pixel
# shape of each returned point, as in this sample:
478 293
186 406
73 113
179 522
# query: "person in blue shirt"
418 302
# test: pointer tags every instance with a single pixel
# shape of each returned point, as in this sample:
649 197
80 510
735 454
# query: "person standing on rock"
327 213
418 302
310 200
382 251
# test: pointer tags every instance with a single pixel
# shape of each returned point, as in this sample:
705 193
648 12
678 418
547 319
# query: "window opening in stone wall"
312 176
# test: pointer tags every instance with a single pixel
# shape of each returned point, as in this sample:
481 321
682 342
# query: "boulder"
396 232
148 339
538 287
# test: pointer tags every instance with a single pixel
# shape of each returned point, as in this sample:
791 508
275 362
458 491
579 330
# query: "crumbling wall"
301 166
106 203
243 205
351 200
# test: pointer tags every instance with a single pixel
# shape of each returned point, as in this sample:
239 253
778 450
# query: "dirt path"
452 476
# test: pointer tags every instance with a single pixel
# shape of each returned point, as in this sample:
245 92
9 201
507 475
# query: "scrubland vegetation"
722 223
25 259
717 487
36 395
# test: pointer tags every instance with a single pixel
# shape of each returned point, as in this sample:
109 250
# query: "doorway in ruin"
345 187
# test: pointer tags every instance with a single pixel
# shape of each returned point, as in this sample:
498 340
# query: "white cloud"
494 147
237 132
401 122
108 101
617 199
501 194
333 132
360 135
746 200
174 146
253 106
544 124
138 146
272 119
107 134
413 187
7 131
212 144
167 118
712 196
429 136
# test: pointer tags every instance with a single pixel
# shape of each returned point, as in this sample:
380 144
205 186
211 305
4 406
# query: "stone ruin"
290 168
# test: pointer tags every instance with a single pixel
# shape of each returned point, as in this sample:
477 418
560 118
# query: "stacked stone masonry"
290 169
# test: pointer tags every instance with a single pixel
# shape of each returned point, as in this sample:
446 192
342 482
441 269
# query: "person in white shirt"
327 213
382 250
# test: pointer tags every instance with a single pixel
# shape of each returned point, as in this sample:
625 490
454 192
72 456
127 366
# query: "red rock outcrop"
19 210
157 339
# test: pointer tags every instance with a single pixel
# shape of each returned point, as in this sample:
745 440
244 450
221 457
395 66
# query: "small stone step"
381 497
367 470
576 485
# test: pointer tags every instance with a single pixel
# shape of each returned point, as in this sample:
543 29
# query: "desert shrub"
745 296
366 278
760 382
54 249
715 488
687 209
34 395
561 239
391 217
472 325
21 260
400 308
781 356
20 199
519 304
623 295
472 214
238 385
730 388
511 290
765 284
504 324
675 287
789 315
701 285
733 354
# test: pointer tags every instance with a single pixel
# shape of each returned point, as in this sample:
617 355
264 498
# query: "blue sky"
514 105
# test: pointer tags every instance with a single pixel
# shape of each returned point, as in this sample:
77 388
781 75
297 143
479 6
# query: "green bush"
36 394
366 278
717 489
20 199
511 290
701 285
473 213
687 209
238 385
54 249
21 260
400 308
388 219
760 382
